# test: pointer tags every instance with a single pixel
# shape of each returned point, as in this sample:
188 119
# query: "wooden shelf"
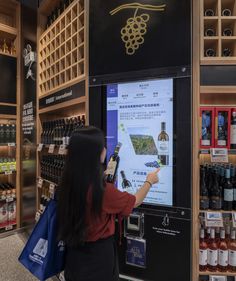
62 49
207 151
218 89
220 211
218 61
8 29
206 273
8 55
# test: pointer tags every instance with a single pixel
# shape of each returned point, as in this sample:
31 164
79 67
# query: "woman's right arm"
140 195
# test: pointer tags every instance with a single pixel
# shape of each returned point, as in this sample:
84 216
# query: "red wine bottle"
113 164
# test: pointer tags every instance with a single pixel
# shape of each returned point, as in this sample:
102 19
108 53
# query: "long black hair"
83 171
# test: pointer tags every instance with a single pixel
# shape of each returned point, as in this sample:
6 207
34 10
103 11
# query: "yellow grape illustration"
132 34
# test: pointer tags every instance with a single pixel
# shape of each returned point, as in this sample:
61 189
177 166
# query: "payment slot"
136 245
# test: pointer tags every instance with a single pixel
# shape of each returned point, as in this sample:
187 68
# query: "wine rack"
218 32
62 50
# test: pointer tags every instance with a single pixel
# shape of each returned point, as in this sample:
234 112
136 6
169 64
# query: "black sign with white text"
70 93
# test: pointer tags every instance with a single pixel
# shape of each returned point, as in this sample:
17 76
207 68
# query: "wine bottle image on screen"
113 164
163 145
126 184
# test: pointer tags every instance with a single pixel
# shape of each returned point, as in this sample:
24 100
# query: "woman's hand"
153 176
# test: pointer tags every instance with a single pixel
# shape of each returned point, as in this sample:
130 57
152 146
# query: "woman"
87 208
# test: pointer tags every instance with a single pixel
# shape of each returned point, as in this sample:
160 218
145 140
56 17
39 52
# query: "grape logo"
136 27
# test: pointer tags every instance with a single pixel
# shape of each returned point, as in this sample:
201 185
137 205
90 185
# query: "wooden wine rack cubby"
222 39
62 50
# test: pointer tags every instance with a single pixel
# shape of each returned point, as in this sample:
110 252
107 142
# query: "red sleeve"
117 202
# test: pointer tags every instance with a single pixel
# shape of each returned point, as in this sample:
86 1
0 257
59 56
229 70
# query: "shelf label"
40 183
4 168
52 190
214 219
8 172
11 144
37 216
9 227
51 148
62 150
40 147
218 278
219 155
12 167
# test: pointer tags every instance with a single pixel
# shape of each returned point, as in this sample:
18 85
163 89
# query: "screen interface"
140 117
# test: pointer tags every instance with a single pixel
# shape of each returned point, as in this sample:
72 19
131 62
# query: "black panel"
70 93
168 255
11 110
219 75
167 42
7 79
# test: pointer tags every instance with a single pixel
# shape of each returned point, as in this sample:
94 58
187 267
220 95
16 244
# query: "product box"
222 127
207 115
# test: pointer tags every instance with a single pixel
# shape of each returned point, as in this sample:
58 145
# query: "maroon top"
115 203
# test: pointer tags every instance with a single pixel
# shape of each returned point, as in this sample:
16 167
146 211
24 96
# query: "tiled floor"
10 268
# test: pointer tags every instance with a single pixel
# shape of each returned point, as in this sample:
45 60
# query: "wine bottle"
126 184
113 164
226 12
232 252
233 131
204 194
163 145
209 13
227 32
210 52
228 192
222 131
215 197
212 253
227 52
202 251
210 32
223 253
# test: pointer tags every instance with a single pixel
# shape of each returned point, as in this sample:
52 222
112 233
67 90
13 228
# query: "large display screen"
140 117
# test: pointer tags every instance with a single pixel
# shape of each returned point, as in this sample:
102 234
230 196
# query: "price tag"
40 183
10 199
234 219
62 150
51 148
217 278
9 227
8 172
11 144
12 167
214 219
4 168
52 190
40 147
219 155
37 216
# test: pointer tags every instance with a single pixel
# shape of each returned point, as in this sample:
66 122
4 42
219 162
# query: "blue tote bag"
43 255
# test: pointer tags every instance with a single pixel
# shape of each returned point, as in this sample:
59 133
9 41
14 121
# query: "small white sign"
40 183
51 148
214 219
10 199
8 172
40 147
11 144
219 155
9 227
217 278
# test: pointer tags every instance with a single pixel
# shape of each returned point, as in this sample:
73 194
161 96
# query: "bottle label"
202 257
111 167
212 257
233 134
232 258
163 147
221 142
215 203
234 194
223 257
206 142
204 203
228 195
